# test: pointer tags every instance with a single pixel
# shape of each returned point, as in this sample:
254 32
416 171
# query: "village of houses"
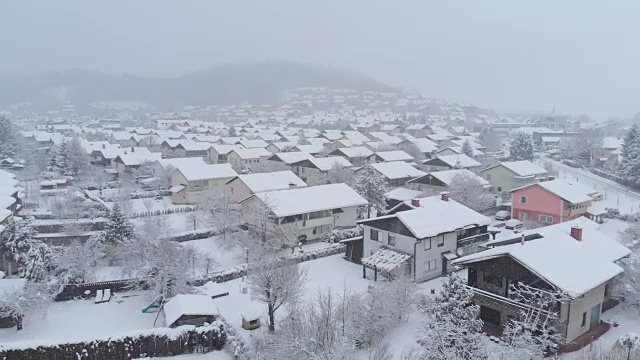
347 191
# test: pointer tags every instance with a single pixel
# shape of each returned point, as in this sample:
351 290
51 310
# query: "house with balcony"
573 262
303 214
430 231
555 201
189 182
132 158
509 175
243 186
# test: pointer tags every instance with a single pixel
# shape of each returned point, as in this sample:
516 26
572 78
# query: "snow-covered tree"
21 302
629 167
75 263
77 157
319 330
59 159
521 147
628 283
118 231
531 335
220 212
276 284
33 256
466 148
370 184
453 329
8 138
468 190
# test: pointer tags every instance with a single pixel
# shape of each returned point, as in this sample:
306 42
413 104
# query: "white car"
503 215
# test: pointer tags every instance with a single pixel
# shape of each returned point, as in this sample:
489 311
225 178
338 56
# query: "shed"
250 319
190 310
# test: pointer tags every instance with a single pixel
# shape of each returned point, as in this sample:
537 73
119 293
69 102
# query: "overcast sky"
578 56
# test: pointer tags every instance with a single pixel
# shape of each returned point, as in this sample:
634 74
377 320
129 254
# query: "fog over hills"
255 83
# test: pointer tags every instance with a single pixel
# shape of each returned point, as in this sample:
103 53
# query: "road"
616 195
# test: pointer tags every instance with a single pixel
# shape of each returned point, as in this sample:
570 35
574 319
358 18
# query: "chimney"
444 196
104 146
576 232
415 202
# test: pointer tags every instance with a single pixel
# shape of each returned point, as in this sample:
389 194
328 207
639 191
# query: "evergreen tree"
370 185
467 149
59 160
8 138
629 168
521 147
453 329
118 229
77 158
33 256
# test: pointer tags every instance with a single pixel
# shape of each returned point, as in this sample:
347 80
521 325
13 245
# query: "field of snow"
82 319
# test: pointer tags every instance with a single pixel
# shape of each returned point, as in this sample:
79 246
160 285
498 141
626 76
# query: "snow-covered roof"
310 199
6 201
611 143
4 214
291 157
397 170
188 304
447 176
326 163
193 172
177 162
355 152
256 143
278 180
224 149
571 265
574 193
252 153
311 148
521 168
436 216
386 260
394 155
402 194
458 161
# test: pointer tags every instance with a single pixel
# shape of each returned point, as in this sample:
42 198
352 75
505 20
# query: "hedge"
185 339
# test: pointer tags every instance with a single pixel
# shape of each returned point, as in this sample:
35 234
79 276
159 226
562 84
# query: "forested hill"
255 83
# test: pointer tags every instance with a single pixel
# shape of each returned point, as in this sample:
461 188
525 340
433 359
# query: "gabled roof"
310 199
325 163
195 172
394 155
455 161
397 170
571 265
574 193
278 180
188 304
353 152
290 157
521 168
252 153
447 176
177 162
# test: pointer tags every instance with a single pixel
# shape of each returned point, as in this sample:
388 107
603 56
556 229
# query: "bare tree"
19 303
469 191
276 284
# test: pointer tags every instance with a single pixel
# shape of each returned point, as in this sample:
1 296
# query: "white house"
430 231
448 162
243 186
189 182
396 173
307 213
249 159
313 169
217 153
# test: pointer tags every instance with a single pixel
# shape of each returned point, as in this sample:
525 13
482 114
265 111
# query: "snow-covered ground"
83 319
616 195
149 204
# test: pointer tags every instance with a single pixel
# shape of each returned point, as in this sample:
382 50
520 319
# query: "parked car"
503 215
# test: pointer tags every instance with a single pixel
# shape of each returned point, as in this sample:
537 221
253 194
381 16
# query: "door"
595 317
444 266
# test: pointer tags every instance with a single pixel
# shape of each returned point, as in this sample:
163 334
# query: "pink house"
552 202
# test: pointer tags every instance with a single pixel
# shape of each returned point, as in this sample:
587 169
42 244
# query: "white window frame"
434 267
542 218
389 237
523 198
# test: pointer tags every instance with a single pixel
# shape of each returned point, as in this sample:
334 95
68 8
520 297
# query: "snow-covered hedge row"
197 234
341 234
185 339
239 271
138 195
173 210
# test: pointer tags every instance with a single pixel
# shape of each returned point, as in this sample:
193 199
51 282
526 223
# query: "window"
523 216
499 189
232 190
545 219
432 264
523 199
391 239
374 235
427 244
584 319
440 240
488 176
